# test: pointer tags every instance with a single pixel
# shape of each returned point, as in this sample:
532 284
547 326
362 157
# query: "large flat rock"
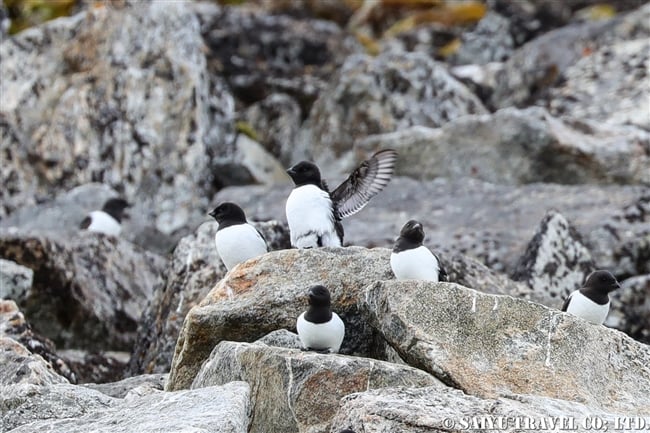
491 344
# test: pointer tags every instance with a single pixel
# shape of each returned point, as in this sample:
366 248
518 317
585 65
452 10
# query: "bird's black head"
602 281
115 208
305 173
228 211
413 231
319 296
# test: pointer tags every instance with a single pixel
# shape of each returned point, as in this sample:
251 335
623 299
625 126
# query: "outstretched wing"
365 182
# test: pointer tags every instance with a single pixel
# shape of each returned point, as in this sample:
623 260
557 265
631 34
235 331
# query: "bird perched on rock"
319 328
410 260
236 240
314 214
591 301
108 220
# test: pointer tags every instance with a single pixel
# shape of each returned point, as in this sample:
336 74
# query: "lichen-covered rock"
118 95
490 41
556 260
259 54
299 391
269 293
630 308
432 410
95 366
513 346
194 269
383 94
76 409
520 146
20 366
13 325
121 388
89 290
615 73
281 338
276 122
15 280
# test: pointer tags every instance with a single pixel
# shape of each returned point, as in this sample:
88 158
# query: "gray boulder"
122 388
260 53
629 310
41 351
615 73
149 121
426 410
490 41
194 269
298 391
89 290
383 94
20 366
514 346
520 146
276 121
556 261
67 408
15 280
269 293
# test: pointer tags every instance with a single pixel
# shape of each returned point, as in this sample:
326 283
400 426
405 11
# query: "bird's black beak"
212 213
291 171
615 286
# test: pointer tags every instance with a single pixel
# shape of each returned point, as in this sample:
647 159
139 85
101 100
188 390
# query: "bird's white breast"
415 264
309 214
238 243
101 222
321 336
581 306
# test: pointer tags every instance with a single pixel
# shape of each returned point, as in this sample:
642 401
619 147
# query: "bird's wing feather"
262 237
367 180
85 223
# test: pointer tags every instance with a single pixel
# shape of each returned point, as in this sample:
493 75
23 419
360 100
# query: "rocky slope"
524 141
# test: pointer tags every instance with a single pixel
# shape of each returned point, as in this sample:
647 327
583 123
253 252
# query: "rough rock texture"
95 366
300 391
281 338
20 366
128 105
260 54
538 65
556 261
389 92
13 325
276 122
617 74
490 41
520 146
195 268
73 409
121 388
15 280
622 241
431 410
630 308
514 346
613 220
270 292
89 290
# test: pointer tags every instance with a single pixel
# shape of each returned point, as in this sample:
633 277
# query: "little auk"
410 260
319 328
236 240
591 301
314 214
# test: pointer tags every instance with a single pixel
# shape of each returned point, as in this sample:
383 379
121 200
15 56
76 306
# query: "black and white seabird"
108 220
314 214
410 260
591 302
236 240
319 328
